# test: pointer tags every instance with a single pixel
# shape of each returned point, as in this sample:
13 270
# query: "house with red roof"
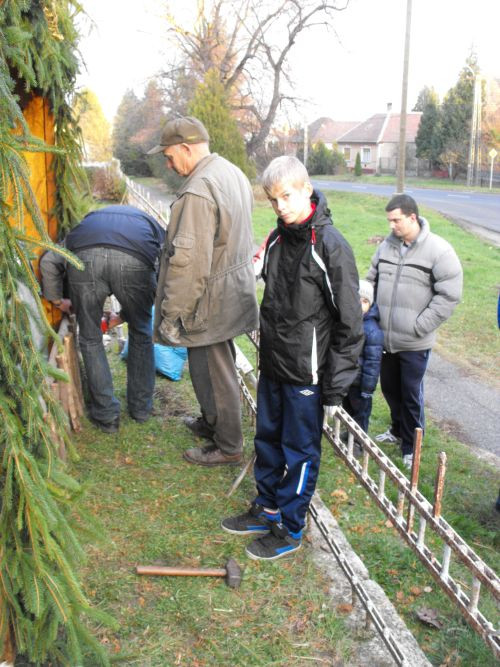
377 140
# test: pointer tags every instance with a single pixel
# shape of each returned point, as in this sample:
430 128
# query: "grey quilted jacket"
415 291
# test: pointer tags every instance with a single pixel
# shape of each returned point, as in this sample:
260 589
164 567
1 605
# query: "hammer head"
233 573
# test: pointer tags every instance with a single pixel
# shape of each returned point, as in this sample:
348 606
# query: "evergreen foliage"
41 601
323 160
210 105
358 171
127 122
455 120
428 140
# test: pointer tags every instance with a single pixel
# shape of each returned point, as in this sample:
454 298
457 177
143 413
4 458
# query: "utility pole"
404 99
306 142
474 164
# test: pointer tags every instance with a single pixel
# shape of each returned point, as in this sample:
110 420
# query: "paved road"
465 406
474 208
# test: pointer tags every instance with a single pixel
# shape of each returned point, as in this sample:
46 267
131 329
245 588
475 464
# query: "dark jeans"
359 407
402 383
110 271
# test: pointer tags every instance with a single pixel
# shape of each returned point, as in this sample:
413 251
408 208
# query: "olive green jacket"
206 285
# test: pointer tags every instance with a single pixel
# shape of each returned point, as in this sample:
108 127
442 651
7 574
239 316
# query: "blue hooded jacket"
371 356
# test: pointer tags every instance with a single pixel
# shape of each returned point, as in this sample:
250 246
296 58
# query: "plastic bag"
169 361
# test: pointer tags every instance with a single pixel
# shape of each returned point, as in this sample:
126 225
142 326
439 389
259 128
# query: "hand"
114 320
170 333
329 412
64 305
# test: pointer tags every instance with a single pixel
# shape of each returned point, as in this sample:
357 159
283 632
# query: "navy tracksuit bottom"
288 448
402 384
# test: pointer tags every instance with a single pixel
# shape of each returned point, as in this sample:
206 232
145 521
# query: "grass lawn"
154 507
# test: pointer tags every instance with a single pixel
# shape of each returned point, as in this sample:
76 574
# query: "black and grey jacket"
311 329
415 291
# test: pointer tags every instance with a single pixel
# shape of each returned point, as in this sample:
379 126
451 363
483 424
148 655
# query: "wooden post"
415 469
8 656
439 486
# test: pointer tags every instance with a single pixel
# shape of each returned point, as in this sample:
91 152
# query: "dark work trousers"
288 448
359 407
402 384
111 271
215 383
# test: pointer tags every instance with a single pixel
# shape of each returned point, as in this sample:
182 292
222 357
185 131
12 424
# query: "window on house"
347 153
366 155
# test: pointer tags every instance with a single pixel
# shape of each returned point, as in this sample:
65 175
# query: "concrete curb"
368 650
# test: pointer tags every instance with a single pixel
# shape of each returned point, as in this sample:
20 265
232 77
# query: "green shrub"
357 166
106 183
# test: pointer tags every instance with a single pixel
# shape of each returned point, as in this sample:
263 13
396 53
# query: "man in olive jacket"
206 288
417 278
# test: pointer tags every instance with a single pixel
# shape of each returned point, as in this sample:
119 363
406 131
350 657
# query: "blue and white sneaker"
278 543
256 521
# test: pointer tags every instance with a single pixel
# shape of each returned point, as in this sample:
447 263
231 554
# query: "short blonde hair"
284 168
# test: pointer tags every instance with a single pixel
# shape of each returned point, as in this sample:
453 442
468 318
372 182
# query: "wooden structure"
42 179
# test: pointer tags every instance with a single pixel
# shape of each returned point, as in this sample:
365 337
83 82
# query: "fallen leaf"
416 590
340 494
142 602
394 573
388 524
400 596
344 608
129 460
427 589
430 617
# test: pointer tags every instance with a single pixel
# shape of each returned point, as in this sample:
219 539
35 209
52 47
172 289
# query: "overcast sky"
348 74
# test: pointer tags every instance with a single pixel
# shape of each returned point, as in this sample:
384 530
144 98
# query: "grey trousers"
215 384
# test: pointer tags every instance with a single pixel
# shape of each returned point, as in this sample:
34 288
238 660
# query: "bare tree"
248 43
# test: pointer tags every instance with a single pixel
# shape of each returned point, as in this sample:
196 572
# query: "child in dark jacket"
358 402
311 336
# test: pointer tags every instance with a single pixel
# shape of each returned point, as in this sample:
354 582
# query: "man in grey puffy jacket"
417 278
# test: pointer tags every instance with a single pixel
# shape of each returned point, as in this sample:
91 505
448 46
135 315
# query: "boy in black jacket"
358 402
311 336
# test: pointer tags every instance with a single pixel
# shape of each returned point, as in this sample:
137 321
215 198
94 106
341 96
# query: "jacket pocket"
197 321
182 247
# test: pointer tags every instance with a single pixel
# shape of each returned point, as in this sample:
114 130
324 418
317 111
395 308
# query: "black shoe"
278 543
107 427
254 522
141 418
199 426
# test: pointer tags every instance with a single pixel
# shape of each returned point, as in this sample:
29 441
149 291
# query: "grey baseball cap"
186 130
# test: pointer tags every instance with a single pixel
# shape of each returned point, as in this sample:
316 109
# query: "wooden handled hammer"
231 573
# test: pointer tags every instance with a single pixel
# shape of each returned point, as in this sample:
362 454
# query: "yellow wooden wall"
41 124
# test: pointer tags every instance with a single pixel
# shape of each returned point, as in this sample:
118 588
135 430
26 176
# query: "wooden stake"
439 486
415 469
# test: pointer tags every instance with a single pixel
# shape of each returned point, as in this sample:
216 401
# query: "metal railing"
418 510
138 196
